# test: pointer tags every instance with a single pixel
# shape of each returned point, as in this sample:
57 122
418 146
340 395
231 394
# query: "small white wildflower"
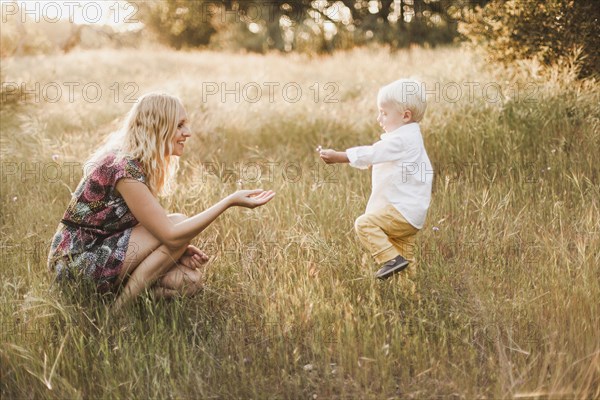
319 148
55 157
435 229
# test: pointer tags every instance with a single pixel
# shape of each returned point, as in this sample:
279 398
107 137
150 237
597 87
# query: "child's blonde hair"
147 136
409 94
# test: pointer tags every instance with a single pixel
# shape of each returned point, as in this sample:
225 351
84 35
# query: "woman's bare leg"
150 270
147 262
164 293
179 280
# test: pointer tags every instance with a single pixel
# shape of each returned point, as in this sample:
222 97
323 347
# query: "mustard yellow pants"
386 234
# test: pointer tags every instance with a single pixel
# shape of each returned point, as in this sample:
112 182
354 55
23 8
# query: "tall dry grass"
500 305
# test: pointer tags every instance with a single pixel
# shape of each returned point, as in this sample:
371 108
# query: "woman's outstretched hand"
250 198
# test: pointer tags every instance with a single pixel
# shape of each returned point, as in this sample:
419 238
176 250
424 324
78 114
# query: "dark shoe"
391 267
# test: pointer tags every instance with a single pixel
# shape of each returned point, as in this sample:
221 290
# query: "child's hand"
331 156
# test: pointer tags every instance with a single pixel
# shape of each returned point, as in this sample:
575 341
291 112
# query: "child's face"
391 117
183 132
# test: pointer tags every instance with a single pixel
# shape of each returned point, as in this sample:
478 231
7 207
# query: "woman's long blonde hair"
147 136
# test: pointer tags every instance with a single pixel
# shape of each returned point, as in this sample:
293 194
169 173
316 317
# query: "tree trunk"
274 28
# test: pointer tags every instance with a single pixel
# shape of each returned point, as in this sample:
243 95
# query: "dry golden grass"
500 305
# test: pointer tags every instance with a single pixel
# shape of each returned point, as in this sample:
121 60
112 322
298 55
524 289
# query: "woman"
115 231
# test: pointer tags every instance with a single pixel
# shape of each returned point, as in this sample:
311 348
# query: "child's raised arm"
333 157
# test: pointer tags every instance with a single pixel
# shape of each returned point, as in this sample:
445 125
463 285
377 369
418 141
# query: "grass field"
500 305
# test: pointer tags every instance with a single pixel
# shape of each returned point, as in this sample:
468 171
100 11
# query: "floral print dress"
93 235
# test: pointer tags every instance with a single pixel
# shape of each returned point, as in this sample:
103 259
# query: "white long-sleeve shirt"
402 173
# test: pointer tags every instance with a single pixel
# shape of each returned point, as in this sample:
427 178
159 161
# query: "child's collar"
412 126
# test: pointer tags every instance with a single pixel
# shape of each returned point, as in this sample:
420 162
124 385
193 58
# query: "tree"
398 23
548 30
178 23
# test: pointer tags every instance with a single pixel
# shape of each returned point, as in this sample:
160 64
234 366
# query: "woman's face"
183 132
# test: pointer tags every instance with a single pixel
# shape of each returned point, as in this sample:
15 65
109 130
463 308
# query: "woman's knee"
142 244
141 237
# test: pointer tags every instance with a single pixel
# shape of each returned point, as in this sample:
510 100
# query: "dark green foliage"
178 23
548 30
304 25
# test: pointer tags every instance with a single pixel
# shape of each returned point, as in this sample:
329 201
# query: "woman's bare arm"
148 211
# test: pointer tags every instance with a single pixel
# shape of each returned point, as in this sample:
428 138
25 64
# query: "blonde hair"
147 136
408 94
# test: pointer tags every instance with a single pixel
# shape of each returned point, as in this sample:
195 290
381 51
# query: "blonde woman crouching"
115 232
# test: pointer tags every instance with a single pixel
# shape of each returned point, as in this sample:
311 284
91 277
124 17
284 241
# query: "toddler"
402 177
